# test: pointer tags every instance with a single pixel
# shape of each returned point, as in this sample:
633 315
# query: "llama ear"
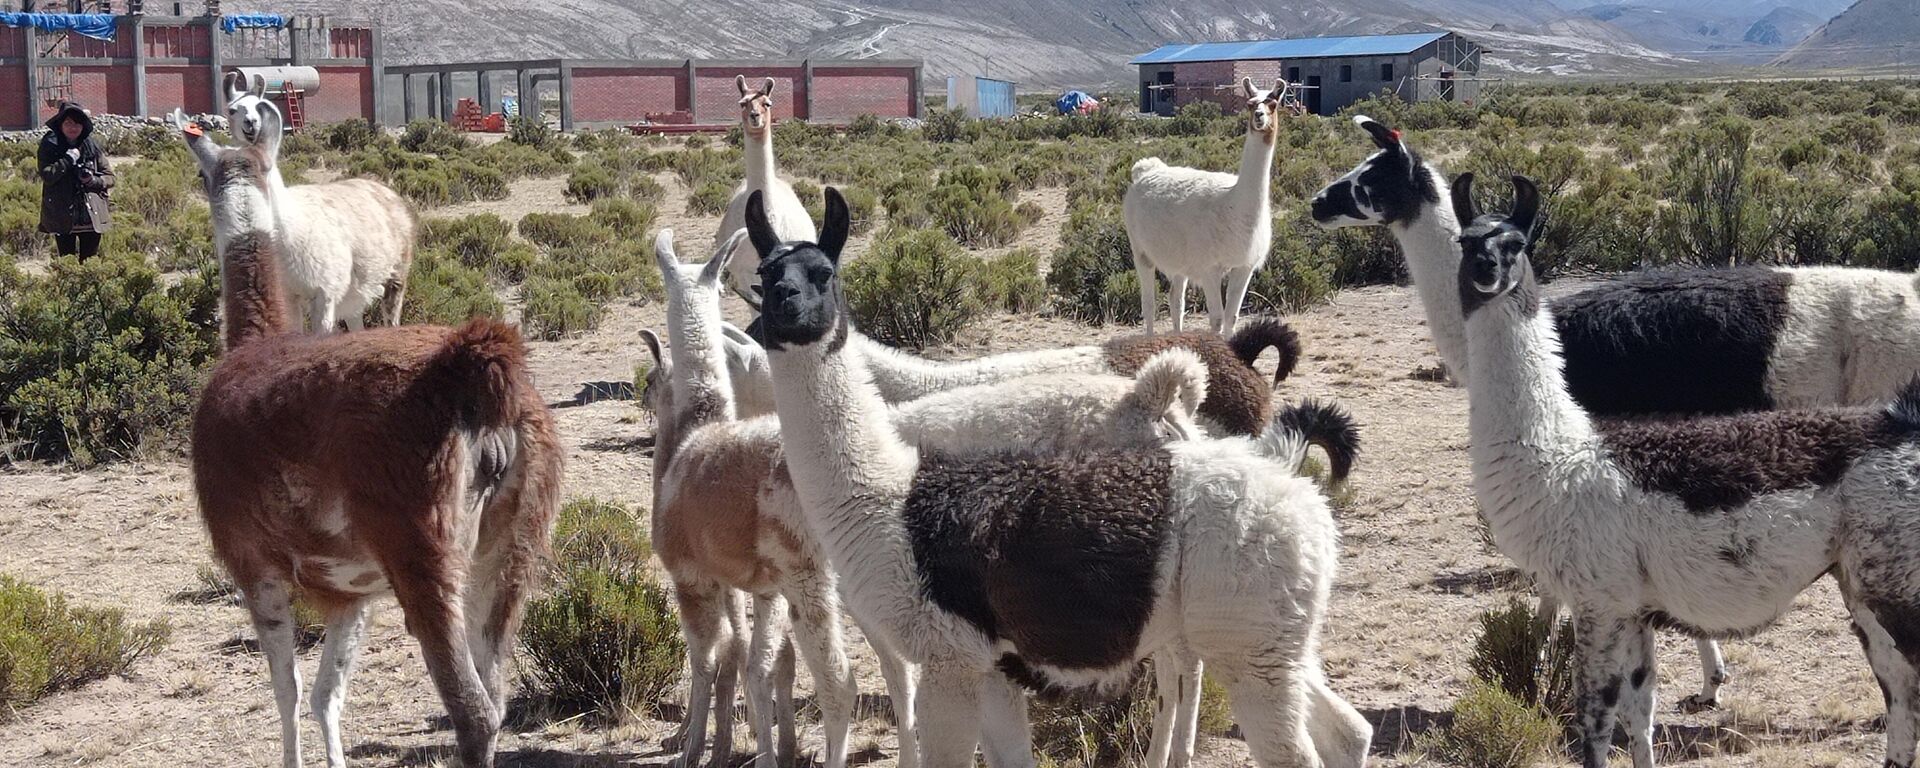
833 235
663 254
1526 205
716 266
232 82
653 345
1383 137
259 87
740 81
758 227
1246 84
1463 199
1279 89
272 129
766 87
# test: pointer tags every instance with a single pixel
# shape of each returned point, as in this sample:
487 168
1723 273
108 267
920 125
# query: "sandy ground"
1414 577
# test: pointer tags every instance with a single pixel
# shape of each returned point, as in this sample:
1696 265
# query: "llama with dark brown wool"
1063 568
416 461
1709 525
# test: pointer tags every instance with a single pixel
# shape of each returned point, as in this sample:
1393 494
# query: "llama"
1239 401
418 462
244 106
1398 189
1204 225
342 245
1710 525
788 213
1051 568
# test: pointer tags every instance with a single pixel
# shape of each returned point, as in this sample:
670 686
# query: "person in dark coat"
74 179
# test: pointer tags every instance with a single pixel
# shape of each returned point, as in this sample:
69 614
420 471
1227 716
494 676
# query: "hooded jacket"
73 193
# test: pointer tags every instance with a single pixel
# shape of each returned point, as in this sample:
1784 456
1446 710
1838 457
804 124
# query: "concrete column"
566 97
693 91
406 97
378 63
296 46
445 102
136 28
33 78
215 40
804 109
528 93
485 83
914 95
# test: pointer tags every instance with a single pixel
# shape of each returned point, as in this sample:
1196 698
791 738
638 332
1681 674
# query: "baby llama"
784 208
1709 525
1053 568
419 462
342 245
1203 225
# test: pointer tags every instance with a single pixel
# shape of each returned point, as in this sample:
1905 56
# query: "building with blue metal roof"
1334 71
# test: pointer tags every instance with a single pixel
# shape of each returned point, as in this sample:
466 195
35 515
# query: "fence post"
445 102
806 87
484 82
377 65
529 94
566 97
214 44
693 91
33 77
137 26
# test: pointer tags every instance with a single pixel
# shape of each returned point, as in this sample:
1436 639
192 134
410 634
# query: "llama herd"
1675 449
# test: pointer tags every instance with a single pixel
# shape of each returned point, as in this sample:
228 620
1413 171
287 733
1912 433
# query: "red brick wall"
175 42
345 92
13 42
103 89
1199 81
626 95
13 98
188 87
719 99
841 94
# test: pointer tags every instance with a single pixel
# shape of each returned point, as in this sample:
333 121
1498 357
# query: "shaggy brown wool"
1238 399
1053 553
1714 463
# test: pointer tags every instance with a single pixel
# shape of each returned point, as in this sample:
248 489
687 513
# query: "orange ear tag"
193 129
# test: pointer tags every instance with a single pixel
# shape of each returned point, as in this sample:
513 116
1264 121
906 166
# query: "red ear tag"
1394 134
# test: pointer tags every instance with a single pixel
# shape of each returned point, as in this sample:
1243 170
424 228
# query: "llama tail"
1172 377
1904 411
1145 164
1313 423
481 367
1259 334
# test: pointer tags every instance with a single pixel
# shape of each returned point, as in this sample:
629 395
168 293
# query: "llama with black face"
1063 568
1709 525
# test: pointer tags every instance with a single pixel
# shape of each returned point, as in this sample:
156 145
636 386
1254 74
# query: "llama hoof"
1698 703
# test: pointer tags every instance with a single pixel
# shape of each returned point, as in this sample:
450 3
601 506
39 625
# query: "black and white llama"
1709 525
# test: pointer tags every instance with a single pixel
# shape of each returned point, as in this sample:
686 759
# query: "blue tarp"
1074 102
252 21
99 26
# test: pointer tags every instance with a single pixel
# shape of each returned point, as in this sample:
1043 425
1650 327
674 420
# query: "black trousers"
84 243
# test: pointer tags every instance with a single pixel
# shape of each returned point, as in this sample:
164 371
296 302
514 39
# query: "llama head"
1493 246
800 294
1263 107
693 290
1391 187
1165 399
244 105
235 178
655 394
756 106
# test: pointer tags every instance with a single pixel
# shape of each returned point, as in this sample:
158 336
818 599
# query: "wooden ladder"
296 111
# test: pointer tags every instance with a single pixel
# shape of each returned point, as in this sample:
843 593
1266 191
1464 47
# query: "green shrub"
556 309
950 125
1761 100
351 135
47 645
99 360
433 137
560 230
1090 733
1552 113
530 131
589 183
519 160
974 204
604 638
1890 227
914 288
1526 656
605 138
481 241
1013 284
1717 217
1294 277
470 181
443 291
1492 729
1092 267
710 199
426 188
626 219
1861 133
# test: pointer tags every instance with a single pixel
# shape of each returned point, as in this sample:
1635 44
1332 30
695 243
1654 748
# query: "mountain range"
1873 35
1086 43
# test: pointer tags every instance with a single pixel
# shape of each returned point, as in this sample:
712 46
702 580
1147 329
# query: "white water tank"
282 79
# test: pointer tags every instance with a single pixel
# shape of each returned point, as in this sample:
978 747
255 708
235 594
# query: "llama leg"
1148 306
1177 301
949 716
270 605
786 716
1237 280
733 656
320 316
1176 711
344 633
1602 649
1186 719
1216 305
1713 674
1005 738
436 618
1636 708
816 627
899 676
353 310
1270 704
1899 683
760 662
1341 735
703 623
396 296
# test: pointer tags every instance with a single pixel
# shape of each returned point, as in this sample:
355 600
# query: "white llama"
244 106
1204 225
342 245
784 208
1046 567
1710 525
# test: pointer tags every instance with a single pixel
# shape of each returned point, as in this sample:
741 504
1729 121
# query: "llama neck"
1521 419
900 377
701 388
251 302
1431 246
1256 166
759 156
849 465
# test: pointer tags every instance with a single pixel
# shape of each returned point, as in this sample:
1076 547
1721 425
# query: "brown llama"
416 461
